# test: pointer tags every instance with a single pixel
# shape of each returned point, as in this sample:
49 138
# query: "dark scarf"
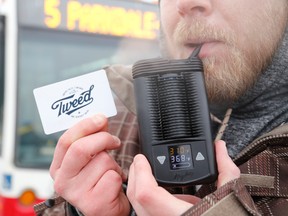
263 107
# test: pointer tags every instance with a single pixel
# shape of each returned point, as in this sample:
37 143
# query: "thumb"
226 167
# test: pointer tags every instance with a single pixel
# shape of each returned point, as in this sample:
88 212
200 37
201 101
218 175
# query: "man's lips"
208 47
197 42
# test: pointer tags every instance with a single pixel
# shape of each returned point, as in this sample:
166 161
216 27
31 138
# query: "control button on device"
161 159
200 157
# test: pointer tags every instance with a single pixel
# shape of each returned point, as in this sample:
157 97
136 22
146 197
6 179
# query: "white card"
65 103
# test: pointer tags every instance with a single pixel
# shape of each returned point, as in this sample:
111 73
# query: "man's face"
239 38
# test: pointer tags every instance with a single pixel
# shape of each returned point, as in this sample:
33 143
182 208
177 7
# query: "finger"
83 128
142 173
96 168
226 167
147 202
87 178
84 150
109 191
105 198
132 189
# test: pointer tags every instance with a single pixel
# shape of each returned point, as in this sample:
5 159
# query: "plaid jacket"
262 188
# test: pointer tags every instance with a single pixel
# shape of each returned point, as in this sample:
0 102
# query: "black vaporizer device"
174 120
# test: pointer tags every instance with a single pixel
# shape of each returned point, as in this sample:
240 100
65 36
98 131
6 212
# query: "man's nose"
194 7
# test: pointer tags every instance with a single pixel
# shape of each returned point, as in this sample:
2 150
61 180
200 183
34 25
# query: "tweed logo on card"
74 102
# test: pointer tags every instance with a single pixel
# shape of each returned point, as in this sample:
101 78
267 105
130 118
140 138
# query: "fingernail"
98 118
116 140
221 141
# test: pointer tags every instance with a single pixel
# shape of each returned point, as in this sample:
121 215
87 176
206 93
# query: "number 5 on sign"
53 14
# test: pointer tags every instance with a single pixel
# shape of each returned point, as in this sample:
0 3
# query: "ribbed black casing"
172 109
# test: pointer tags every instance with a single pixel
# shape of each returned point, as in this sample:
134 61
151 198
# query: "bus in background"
46 41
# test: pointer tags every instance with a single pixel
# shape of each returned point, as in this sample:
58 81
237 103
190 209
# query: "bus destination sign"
113 17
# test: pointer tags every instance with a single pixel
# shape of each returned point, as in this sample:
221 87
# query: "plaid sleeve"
124 126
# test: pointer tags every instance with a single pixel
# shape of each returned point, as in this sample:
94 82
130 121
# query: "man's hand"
85 174
147 198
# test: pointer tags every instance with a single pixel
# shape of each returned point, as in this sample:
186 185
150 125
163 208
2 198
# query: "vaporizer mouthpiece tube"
174 120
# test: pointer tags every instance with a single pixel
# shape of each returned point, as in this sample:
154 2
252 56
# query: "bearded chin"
228 77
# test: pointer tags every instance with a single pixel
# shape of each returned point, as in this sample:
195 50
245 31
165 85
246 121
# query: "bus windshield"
2 42
46 57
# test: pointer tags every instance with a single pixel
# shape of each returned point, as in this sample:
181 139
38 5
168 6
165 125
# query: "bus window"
46 57
1 78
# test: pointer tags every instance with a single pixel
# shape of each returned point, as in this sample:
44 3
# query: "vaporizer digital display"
180 157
